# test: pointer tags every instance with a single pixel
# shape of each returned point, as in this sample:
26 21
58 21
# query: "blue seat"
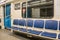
15 21
51 24
34 32
47 34
30 23
59 36
59 25
22 22
39 23
15 28
23 29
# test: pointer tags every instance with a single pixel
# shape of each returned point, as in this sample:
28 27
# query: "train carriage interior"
34 18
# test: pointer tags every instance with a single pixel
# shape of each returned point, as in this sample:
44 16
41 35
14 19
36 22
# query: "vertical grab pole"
26 14
5 16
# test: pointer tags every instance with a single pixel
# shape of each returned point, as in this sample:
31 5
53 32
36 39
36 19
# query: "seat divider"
33 24
43 28
57 30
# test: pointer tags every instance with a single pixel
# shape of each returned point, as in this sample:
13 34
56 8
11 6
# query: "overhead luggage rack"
36 3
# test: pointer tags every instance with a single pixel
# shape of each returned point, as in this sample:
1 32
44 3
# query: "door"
7 17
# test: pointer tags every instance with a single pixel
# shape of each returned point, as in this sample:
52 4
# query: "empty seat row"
49 24
23 22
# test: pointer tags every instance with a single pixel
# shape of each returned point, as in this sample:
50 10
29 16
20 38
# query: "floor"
7 35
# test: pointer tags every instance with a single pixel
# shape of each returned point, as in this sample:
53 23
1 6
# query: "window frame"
41 17
17 6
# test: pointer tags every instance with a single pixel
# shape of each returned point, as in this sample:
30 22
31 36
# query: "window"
46 12
0 20
39 11
36 12
24 12
28 13
17 6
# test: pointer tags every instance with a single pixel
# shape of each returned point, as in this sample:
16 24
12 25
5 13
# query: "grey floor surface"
7 35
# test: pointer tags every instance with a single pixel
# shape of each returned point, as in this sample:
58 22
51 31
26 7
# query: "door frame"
4 12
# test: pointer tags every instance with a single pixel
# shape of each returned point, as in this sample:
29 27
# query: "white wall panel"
57 9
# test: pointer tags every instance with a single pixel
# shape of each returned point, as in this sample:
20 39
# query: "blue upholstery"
15 21
30 23
22 22
59 36
15 28
23 29
46 34
51 24
59 25
39 23
34 32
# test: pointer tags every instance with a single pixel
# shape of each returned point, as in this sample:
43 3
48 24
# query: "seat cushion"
39 23
47 34
29 23
51 24
23 29
59 36
15 28
34 32
22 22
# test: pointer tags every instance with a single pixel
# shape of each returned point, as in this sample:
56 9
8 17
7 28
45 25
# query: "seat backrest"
30 23
22 22
15 21
51 24
39 23
59 25
59 36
